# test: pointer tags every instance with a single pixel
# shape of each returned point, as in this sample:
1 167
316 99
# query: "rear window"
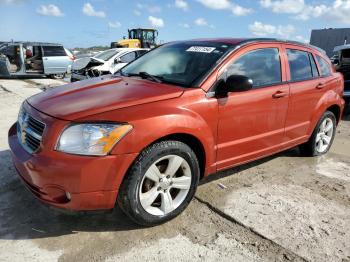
106 55
299 64
54 51
324 67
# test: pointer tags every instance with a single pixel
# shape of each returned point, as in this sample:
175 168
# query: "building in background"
327 39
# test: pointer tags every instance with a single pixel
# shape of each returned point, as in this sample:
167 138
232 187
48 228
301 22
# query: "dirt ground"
281 208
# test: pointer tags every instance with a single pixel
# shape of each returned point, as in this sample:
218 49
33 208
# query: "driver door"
252 123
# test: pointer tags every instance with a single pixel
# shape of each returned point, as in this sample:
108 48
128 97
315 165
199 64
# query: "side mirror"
238 83
117 60
336 61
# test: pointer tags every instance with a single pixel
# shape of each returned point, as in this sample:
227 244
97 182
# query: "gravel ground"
281 208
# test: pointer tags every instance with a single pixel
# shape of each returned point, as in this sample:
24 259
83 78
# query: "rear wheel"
322 137
160 184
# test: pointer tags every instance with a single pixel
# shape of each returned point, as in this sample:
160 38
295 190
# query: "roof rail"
252 40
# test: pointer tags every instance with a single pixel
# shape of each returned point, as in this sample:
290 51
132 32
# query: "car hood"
98 95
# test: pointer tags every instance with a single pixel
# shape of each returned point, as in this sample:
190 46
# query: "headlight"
91 139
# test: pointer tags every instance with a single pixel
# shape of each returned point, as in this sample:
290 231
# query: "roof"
245 41
32 43
127 49
341 47
150 29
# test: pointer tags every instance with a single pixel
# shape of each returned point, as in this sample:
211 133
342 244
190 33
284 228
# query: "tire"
58 76
313 147
138 190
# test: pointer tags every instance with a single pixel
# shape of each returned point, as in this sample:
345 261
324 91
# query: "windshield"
106 55
184 63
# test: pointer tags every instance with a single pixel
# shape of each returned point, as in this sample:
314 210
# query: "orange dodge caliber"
144 137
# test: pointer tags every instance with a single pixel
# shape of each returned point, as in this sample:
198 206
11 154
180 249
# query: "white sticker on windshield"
201 49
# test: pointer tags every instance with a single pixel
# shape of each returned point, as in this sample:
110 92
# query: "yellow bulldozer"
138 38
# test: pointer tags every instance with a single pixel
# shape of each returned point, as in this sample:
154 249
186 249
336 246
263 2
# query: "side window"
315 72
299 64
324 66
129 57
141 52
263 66
54 51
8 50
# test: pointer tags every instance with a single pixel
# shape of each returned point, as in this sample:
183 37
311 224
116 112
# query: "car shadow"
22 216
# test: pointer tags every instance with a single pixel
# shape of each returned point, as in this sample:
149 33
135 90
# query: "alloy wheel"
324 135
165 185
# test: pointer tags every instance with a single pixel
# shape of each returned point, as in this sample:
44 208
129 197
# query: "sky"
80 23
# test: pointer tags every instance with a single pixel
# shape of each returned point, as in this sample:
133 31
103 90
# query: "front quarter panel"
191 114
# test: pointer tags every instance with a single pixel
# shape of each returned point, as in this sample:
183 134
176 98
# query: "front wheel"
160 184
322 137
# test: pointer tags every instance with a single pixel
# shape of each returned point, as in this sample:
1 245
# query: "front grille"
29 131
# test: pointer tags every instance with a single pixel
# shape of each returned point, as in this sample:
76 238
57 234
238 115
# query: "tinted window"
54 51
313 66
129 57
263 66
324 66
299 64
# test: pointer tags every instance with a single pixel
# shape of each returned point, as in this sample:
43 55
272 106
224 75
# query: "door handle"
320 86
279 94
45 58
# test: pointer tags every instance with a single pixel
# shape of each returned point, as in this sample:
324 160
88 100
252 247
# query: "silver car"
34 59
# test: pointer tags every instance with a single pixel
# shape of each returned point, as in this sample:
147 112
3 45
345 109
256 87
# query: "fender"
191 114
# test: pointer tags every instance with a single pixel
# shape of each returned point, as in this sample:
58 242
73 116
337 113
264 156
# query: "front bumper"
71 182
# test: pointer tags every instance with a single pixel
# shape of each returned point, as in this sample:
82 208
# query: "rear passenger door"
306 89
55 60
251 123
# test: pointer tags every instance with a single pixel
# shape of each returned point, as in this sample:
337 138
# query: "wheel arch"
193 142
330 101
335 109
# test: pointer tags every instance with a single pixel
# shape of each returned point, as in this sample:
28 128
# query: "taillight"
73 57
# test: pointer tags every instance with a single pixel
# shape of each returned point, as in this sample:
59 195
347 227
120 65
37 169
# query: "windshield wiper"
145 75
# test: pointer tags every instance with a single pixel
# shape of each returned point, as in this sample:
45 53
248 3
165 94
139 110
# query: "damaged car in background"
342 64
33 59
104 63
